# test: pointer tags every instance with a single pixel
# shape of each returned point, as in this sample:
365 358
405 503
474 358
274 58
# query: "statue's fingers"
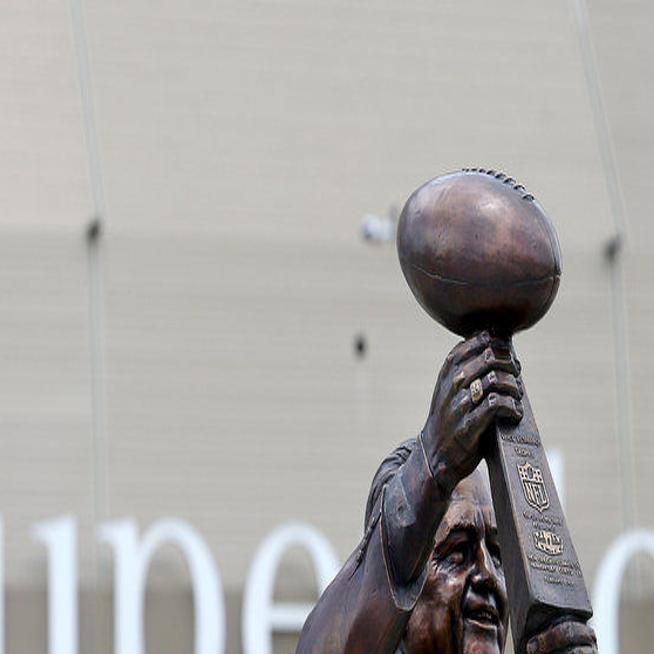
564 636
463 402
509 407
482 364
502 382
465 349
477 420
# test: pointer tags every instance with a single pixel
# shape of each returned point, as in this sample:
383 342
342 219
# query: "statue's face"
463 607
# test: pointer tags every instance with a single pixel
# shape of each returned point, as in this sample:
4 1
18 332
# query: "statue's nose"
485 574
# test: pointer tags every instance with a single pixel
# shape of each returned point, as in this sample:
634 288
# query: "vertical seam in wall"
94 259
94 263
88 111
618 301
96 286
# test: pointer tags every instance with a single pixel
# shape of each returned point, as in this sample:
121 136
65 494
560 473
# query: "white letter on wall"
556 459
132 560
260 616
60 537
606 598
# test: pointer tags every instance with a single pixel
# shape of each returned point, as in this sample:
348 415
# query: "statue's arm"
367 606
356 613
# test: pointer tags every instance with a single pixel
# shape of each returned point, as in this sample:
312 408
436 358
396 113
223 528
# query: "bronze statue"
480 253
428 575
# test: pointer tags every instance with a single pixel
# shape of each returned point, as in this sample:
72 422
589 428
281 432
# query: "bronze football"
479 252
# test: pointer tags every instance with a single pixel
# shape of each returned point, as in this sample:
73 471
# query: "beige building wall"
198 360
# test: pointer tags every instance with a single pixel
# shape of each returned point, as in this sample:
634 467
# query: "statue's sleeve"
366 608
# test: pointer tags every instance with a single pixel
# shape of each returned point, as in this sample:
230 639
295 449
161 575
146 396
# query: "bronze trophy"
479 253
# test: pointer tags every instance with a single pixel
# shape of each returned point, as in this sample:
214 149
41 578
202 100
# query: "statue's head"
463 608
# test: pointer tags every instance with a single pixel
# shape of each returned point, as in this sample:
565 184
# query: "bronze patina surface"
479 252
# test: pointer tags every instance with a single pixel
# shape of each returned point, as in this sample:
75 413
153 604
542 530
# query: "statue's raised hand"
479 382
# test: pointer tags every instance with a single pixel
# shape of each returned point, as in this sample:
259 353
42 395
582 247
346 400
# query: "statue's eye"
494 551
458 552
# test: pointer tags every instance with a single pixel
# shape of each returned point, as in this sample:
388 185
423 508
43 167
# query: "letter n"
132 561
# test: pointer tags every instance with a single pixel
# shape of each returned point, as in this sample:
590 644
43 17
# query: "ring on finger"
476 391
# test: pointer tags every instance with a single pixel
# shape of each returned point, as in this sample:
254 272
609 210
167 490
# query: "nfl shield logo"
534 487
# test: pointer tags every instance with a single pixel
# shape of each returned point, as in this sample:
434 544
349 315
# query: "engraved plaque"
543 576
